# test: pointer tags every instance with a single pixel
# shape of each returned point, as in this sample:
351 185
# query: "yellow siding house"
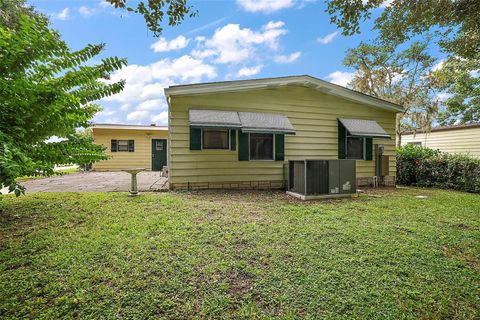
239 134
464 139
131 146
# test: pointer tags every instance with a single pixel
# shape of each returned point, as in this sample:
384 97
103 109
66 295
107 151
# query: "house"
239 134
463 139
131 146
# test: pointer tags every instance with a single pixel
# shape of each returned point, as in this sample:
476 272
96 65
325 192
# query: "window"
215 139
122 145
261 146
416 143
355 148
159 145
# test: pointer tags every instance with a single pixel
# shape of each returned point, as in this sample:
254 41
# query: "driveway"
96 181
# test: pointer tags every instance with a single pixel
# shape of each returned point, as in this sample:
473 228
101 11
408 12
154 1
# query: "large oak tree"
454 27
400 76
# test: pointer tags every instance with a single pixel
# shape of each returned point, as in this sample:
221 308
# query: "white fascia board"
128 127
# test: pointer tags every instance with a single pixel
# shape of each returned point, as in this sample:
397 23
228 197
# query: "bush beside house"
426 167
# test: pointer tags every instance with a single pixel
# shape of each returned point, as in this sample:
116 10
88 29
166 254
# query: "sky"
228 40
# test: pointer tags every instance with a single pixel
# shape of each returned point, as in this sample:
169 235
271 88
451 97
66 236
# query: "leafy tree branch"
154 12
46 90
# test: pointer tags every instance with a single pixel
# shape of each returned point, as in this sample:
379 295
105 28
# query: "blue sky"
230 39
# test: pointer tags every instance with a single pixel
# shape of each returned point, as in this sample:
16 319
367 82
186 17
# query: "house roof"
128 126
446 128
303 80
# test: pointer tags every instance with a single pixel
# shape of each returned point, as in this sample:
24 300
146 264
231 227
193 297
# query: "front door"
159 154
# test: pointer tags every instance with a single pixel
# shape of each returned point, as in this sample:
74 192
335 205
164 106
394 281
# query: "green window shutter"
113 147
368 148
279 147
195 138
242 146
233 139
131 145
342 141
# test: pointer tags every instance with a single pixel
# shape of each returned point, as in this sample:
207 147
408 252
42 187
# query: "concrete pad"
322 196
97 181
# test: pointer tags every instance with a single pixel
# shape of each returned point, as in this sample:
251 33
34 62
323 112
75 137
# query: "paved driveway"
96 181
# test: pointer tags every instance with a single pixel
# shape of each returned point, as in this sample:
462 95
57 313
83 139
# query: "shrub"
425 167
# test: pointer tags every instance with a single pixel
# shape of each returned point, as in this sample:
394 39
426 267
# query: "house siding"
313 114
140 158
464 141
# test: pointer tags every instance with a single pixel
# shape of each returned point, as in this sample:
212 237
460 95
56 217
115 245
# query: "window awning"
265 123
364 128
214 118
246 121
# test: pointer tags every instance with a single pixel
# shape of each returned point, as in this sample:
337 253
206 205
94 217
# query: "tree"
454 26
45 91
459 80
400 76
154 11
455 21
11 10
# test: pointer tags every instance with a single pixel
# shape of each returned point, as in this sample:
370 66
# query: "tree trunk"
398 138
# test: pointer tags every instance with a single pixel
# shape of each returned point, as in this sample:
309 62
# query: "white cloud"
232 44
386 3
143 96
161 118
162 45
206 26
341 78
247 72
104 4
138 115
265 6
86 11
63 15
150 105
106 113
185 68
145 82
328 38
287 58
151 90
438 65
202 54
125 106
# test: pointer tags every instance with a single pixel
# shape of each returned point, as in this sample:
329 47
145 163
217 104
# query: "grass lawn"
240 255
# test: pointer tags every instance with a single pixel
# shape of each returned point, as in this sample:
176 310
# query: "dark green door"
159 154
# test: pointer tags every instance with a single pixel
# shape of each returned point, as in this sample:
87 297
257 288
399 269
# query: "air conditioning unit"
317 179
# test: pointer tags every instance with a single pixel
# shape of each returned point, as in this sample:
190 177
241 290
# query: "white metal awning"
214 118
265 122
252 122
364 128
